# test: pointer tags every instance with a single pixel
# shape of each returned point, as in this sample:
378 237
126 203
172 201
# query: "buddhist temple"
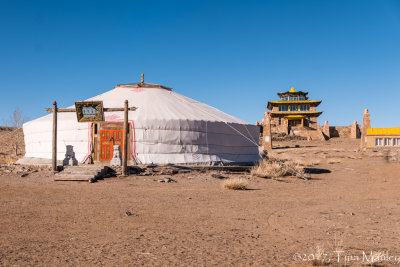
293 111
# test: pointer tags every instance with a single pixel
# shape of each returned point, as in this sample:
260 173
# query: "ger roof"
143 85
156 103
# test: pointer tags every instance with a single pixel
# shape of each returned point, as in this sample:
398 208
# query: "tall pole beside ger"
125 141
54 151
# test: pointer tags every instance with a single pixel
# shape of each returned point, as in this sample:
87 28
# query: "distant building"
383 137
294 111
296 115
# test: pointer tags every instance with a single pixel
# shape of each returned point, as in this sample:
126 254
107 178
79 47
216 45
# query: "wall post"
326 130
54 150
267 136
366 123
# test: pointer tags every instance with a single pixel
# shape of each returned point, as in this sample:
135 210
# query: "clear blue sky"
233 55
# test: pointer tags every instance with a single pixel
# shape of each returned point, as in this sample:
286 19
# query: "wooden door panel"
108 138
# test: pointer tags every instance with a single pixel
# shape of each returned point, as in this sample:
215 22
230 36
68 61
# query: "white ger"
166 128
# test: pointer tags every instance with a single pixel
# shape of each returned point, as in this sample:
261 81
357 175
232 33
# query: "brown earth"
9 138
352 205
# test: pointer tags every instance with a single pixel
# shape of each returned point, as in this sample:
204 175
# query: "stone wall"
284 128
314 131
311 134
339 131
351 131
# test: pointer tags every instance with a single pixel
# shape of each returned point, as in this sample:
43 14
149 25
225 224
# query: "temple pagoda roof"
292 92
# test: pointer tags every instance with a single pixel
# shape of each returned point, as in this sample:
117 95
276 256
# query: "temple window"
302 97
293 98
378 141
388 141
284 98
283 107
294 107
304 107
396 141
280 120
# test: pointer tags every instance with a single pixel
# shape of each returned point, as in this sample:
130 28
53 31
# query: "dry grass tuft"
269 169
338 244
235 184
319 257
278 168
375 259
294 169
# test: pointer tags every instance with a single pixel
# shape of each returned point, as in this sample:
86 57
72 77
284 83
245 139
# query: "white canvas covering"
167 127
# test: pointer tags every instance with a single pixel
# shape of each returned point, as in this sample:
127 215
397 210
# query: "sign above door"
89 111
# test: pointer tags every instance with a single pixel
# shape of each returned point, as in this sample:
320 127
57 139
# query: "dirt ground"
11 144
351 204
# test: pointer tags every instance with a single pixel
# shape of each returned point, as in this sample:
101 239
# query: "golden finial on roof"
292 90
142 78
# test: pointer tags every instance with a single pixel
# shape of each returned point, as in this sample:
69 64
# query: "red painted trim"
89 140
133 139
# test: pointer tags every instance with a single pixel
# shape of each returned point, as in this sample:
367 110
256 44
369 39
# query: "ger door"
109 138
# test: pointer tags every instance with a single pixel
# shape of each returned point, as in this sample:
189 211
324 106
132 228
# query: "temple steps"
88 173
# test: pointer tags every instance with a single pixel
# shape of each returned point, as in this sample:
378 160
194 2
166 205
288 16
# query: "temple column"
287 125
267 136
366 123
326 129
354 130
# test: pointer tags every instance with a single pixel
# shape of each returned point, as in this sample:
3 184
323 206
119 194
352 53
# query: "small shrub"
235 184
278 168
294 168
319 258
269 169
375 259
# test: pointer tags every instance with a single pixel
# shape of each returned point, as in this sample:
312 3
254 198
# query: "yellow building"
383 137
